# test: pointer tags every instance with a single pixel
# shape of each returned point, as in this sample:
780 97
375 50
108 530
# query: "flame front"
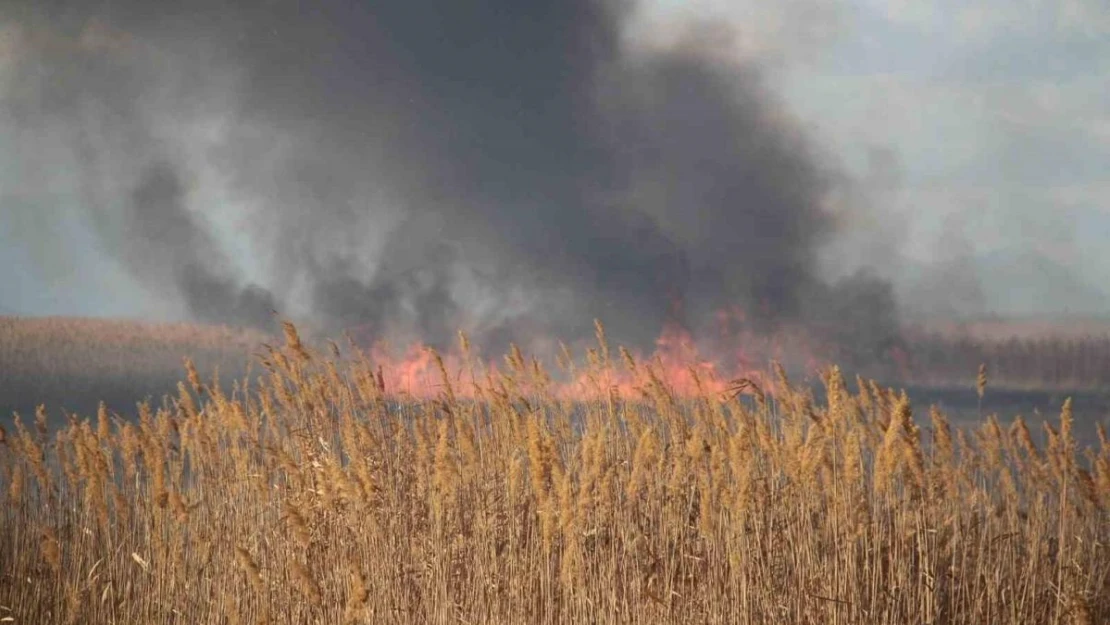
732 358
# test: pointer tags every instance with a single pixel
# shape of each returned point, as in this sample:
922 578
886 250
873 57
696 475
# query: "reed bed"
75 363
315 495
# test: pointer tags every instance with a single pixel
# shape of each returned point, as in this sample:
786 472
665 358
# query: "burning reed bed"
313 496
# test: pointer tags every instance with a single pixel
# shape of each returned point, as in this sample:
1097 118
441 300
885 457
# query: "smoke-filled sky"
516 169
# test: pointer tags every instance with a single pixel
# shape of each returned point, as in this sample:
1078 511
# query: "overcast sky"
975 128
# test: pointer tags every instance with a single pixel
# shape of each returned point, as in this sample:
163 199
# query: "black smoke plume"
509 168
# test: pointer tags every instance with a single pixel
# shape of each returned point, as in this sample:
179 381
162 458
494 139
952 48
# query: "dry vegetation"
313 497
75 363
1000 329
1018 362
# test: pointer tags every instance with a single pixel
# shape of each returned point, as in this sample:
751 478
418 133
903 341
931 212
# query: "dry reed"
314 497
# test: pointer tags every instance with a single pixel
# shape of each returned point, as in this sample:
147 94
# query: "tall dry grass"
314 497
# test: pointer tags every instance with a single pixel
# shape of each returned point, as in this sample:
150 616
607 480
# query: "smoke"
950 287
512 169
164 244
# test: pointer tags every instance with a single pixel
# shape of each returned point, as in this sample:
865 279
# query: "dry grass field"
1000 329
1043 354
317 495
75 363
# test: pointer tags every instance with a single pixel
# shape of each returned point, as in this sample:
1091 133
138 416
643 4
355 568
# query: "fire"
730 358
417 373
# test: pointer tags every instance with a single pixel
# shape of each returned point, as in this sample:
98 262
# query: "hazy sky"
970 129
987 117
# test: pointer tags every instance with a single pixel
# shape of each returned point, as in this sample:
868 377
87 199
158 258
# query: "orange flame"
685 366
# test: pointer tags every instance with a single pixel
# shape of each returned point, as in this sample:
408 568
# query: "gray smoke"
164 242
417 167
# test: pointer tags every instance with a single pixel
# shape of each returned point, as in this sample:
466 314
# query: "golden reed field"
315 494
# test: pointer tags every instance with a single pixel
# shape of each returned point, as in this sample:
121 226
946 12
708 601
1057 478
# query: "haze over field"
516 170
